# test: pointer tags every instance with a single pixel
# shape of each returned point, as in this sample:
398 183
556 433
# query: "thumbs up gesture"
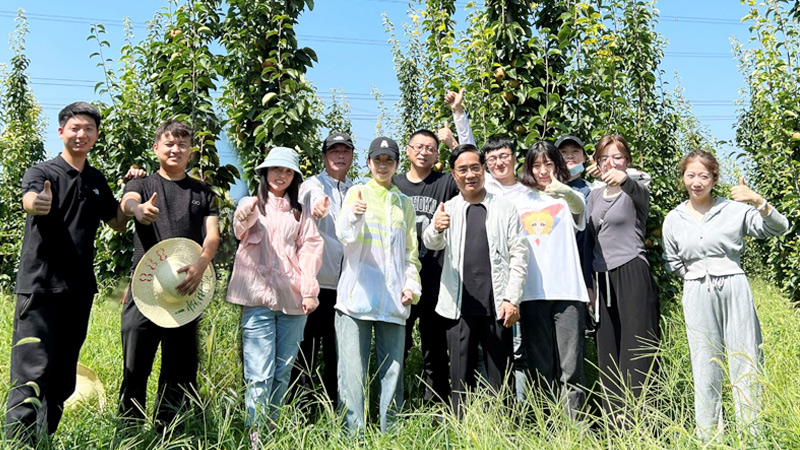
454 100
742 193
557 189
446 135
594 169
359 206
441 220
147 212
243 214
321 208
43 201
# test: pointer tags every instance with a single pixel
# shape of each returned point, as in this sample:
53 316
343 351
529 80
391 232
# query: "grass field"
664 420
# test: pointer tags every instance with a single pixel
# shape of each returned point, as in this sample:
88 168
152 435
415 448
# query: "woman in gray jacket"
703 241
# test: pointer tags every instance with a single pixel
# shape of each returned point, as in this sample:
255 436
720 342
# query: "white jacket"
313 190
380 255
508 253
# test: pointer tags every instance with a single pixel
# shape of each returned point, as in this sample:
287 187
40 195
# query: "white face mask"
577 169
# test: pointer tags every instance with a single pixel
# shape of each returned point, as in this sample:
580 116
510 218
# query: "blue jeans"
353 343
270 341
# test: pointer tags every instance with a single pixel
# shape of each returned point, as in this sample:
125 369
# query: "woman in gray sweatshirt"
703 244
627 307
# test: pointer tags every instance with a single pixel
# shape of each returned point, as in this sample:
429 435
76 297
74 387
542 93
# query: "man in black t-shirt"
65 199
167 204
427 189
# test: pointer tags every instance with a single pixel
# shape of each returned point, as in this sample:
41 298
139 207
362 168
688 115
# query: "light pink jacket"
278 257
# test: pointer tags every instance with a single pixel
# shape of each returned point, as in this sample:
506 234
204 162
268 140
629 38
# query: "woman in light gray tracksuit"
703 241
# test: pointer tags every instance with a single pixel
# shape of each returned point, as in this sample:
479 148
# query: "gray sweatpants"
721 320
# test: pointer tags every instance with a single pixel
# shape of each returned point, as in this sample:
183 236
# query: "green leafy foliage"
21 146
768 131
268 100
171 74
535 71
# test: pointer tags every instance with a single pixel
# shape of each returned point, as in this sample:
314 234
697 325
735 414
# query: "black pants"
628 333
179 361
463 337
319 334
60 322
553 342
433 343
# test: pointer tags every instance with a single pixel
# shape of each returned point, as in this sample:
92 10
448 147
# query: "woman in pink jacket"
275 280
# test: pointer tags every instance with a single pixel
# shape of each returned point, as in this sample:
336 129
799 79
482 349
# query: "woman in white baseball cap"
275 280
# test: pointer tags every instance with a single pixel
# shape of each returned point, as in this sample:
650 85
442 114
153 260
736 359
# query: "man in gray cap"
323 195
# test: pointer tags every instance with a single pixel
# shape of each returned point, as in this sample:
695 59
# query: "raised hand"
441 220
557 189
134 172
454 100
742 193
446 135
613 177
244 214
321 208
360 206
147 212
43 200
594 169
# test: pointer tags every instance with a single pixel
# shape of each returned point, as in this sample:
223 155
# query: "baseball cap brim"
564 139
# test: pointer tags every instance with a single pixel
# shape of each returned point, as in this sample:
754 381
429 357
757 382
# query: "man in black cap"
323 195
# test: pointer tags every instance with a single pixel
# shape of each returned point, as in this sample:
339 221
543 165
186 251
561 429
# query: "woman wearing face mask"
627 299
703 244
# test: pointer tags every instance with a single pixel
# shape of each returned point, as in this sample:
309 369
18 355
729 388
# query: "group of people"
502 268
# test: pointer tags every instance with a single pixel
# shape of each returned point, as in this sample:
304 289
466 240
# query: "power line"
704 20
698 55
71 19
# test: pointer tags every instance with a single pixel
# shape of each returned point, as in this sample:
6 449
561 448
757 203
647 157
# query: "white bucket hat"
87 386
281 157
153 283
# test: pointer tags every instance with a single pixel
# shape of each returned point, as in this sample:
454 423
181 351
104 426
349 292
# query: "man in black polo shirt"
65 198
427 189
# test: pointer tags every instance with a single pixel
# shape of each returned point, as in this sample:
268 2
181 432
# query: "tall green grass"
664 419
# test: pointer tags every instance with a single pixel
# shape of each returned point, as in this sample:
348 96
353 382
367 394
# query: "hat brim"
87 386
148 294
384 151
566 139
262 168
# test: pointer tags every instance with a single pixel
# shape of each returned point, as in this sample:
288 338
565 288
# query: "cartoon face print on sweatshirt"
540 223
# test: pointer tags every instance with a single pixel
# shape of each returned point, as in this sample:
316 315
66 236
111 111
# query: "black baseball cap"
564 139
337 138
384 146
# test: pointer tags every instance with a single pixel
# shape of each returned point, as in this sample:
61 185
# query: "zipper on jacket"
341 205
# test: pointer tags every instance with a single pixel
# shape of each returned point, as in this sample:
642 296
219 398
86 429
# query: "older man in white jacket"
480 301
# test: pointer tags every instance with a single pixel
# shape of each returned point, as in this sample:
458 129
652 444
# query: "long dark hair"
550 152
292 191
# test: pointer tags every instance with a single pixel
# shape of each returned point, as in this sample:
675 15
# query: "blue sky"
350 41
